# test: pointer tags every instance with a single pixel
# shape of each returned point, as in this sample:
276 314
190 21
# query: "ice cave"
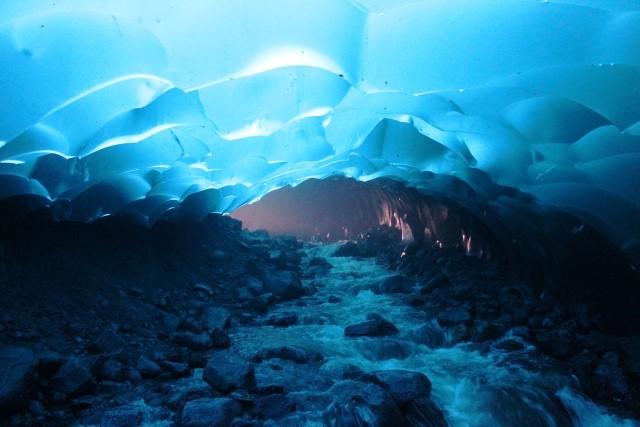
320 213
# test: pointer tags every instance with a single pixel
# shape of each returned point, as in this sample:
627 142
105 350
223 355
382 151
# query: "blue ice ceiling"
139 106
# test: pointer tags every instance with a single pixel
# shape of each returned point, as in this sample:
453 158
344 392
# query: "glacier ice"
504 107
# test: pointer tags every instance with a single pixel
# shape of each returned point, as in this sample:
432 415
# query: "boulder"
148 368
192 341
404 386
283 284
207 412
17 374
273 406
453 317
288 352
424 413
397 285
282 319
374 326
226 371
362 404
215 317
220 339
73 379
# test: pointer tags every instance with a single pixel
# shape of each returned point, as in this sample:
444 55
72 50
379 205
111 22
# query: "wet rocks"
397 285
423 412
73 379
288 352
374 326
357 403
404 386
148 368
220 339
226 371
282 319
208 412
453 316
17 374
191 340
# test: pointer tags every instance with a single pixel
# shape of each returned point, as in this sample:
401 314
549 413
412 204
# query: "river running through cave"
474 388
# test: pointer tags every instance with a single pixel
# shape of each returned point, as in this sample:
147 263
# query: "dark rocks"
404 386
453 317
109 341
288 352
192 341
509 345
148 368
176 369
560 341
320 262
630 349
220 339
17 374
284 284
424 413
207 412
397 285
349 249
226 372
214 317
362 404
282 319
73 379
374 326
122 417
439 280
109 369
273 406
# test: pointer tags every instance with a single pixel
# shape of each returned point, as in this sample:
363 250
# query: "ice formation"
505 107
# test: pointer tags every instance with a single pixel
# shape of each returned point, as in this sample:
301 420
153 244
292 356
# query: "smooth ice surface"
143 106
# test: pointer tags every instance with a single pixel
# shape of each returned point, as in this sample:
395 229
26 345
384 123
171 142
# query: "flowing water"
473 388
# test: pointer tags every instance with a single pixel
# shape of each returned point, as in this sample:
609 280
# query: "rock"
362 404
374 326
273 406
278 258
484 331
207 412
108 342
122 417
261 302
190 324
17 375
214 317
109 369
220 339
282 319
254 285
611 379
192 341
424 413
460 333
630 349
509 345
397 285
148 368
349 249
453 317
438 281
284 284
244 294
404 386
176 369
320 262
288 352
226 371
560 341
49 362
73 379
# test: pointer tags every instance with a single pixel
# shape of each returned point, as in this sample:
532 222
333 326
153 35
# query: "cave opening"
338 208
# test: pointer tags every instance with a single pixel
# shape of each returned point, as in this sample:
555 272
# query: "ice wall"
146 107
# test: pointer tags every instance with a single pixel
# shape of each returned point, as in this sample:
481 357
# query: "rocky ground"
115 324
